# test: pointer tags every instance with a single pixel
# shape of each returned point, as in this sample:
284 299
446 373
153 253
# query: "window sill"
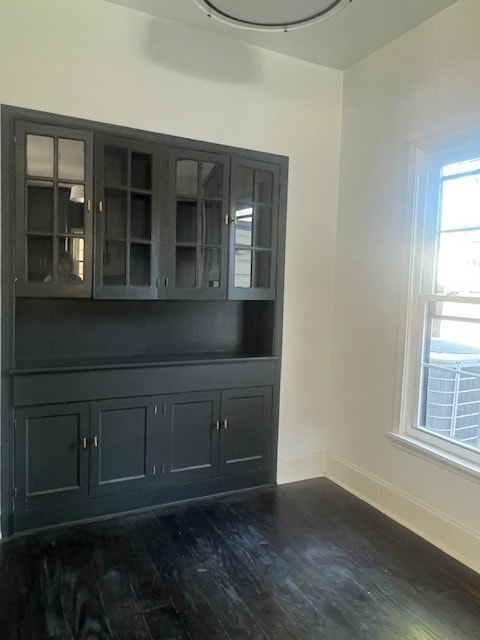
437 456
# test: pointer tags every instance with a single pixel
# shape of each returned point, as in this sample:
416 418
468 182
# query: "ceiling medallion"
271 15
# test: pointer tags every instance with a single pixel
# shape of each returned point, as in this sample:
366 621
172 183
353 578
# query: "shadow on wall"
199 54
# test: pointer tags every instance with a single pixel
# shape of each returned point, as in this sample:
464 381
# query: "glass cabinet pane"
244 184
244 225
40 150
114 263
187 178
71 260
185 267
263 186
187 222
209 268
116 166
115 214
71 216
140 216
211 223
261 270
39 259
243 268
141 171
40 206
71 159
263 226
140 264
212 180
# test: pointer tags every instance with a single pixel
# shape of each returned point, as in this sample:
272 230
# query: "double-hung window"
441 383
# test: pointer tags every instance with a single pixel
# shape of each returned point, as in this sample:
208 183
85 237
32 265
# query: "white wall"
95 60
423 83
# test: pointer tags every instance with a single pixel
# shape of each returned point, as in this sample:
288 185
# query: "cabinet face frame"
51 289
63 494
175 292
157 245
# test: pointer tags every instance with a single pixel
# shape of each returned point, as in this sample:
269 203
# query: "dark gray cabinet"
198 224
254 203
51 455
245 428
54 209
130 179
122 445
192 423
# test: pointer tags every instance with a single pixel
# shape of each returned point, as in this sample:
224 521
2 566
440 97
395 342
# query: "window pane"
71 159
243 268
71 209
40 206
71 260
40 156
460 203
244 225
461 167
452 381
452 403
187 178
458 269
212 179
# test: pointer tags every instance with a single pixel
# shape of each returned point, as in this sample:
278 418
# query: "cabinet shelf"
126 362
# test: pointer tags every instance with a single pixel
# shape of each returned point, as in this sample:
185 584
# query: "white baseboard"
294 469
450 536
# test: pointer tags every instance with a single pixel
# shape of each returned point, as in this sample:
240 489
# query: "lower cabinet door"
51 455
122 445
245 428
193 429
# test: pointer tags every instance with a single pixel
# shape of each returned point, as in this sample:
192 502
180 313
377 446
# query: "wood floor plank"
306 561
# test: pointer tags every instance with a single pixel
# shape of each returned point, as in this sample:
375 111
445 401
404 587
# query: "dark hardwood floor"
301 562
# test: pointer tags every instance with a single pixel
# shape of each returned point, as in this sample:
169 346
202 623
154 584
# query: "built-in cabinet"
144 332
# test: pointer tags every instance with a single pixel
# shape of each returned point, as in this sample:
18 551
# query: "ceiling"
345 38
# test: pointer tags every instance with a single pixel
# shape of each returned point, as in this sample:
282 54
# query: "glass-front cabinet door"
198 224
129 177
253 237
54 201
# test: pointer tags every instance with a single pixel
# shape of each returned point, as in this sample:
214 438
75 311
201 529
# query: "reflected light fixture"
77 193
271 15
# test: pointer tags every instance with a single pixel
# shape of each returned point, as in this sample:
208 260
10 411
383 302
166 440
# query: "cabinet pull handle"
89 206
217 425
226 219
95 441
100 206
225 424
84 443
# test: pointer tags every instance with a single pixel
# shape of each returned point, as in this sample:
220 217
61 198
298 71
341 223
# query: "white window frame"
426 160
